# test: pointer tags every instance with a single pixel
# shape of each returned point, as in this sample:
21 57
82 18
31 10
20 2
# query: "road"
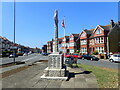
36 57
101 63
29 58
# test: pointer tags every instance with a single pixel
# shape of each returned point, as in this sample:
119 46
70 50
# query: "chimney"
112 23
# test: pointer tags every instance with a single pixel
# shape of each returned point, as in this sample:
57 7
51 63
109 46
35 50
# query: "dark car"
89 57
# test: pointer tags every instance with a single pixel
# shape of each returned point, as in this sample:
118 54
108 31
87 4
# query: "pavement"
30 78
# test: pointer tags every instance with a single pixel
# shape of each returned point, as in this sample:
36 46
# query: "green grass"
106 77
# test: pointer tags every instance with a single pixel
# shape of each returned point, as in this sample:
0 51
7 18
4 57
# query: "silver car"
115 58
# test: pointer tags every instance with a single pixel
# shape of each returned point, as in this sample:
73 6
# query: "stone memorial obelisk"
55 69
55 48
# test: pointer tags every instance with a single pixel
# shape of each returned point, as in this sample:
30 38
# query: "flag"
63 24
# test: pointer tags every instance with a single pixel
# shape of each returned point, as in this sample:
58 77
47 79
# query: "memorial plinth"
55 69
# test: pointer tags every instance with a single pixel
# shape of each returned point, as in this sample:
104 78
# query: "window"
64 39
71 50
84 50
72 38
63 45
90 41
99 40
72 44
83 35
102 40
67 44
98 31
83 42
100 49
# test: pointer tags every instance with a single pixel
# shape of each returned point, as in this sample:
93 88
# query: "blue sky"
35 24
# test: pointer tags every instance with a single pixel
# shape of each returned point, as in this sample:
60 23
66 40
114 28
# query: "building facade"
49 47
74 43
113 39
44 49
60 40
65 44
84 41
100 39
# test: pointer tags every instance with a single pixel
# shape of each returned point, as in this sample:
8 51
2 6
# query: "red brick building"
65 44
60 40
103 39
84 41
96 39
74 43
49 47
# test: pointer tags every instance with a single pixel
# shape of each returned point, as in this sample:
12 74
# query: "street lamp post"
14 35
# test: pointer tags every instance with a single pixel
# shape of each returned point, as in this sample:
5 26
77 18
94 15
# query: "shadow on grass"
72 74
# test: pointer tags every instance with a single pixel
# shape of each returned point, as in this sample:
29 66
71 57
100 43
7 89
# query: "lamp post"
14 36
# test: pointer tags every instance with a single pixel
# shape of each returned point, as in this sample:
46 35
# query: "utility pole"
14 35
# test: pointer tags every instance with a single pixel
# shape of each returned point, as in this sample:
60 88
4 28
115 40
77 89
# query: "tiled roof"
66 36
106 27
61 38
75 35
88 31
5 38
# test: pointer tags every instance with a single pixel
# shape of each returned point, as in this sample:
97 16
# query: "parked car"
29 53
25 54
66 55
76 56
89 57
12 55
115 58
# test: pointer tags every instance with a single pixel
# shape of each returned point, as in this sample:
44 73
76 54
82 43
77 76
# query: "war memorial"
56 68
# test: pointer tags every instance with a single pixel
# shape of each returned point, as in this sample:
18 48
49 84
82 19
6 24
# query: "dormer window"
98 31
83 35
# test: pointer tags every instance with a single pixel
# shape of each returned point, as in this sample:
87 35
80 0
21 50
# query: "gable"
83 35
98 27
98 31
71 36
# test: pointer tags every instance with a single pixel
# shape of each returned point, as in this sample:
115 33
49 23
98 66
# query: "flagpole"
64 46
64 39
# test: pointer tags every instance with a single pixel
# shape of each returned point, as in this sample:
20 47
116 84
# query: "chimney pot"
112 23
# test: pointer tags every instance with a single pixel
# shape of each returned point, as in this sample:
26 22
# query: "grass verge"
106 77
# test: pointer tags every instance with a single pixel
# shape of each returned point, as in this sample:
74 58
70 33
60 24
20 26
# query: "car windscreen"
116 55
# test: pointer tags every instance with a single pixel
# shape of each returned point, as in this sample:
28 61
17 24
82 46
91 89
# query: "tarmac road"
101 63
29 58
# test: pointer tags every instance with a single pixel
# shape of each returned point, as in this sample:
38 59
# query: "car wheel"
82 58
111 60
